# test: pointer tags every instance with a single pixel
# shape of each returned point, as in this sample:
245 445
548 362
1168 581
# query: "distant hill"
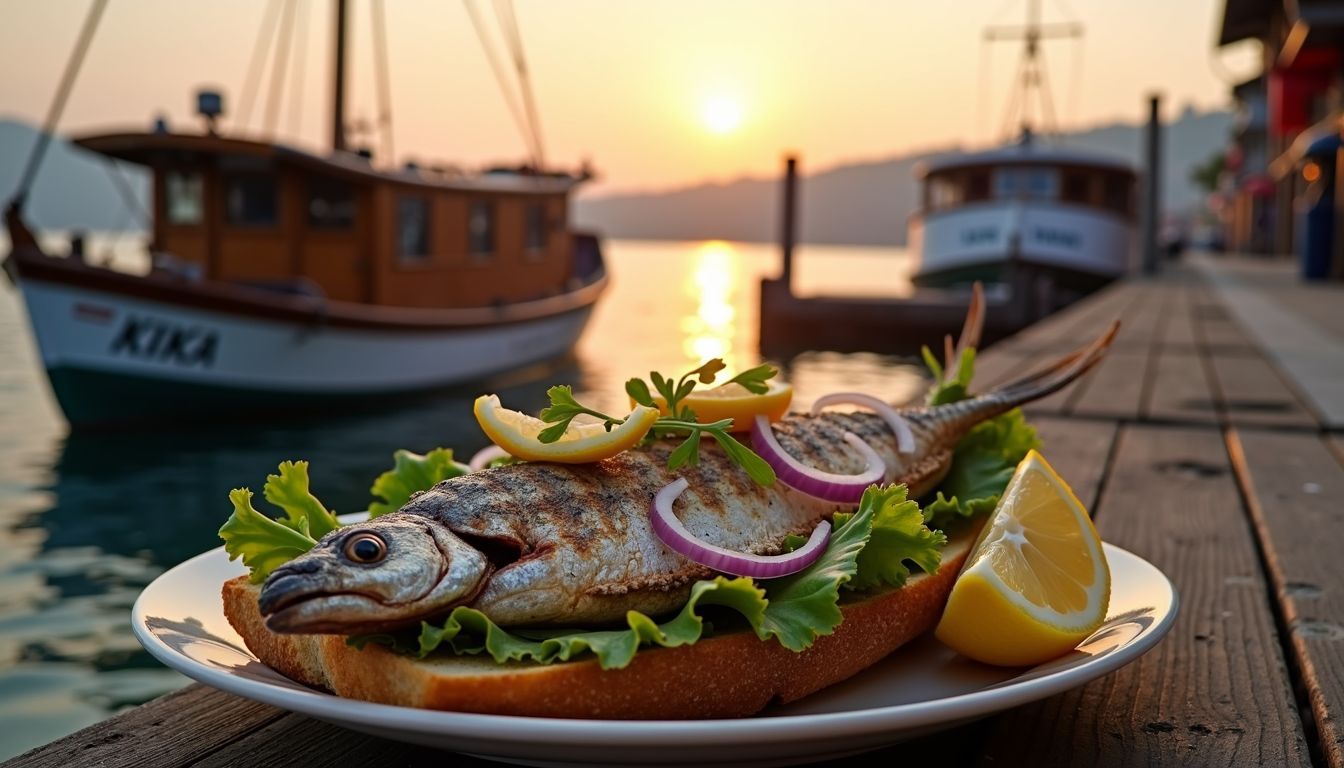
73 189
869 203
860 203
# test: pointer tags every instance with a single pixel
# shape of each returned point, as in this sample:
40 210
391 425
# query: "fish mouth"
343 613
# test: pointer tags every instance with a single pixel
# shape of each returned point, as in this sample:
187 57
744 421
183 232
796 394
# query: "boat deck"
1210 442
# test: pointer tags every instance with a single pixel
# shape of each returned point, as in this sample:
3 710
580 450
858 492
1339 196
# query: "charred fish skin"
559 544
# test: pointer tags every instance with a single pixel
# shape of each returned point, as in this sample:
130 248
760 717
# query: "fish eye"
365 548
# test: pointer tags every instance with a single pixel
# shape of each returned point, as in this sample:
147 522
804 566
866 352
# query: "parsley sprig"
679 421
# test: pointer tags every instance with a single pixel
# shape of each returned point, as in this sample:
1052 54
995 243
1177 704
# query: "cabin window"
1115 194
1076 187
535 239
977 186
481 229
944 192
331 205
1026 182
412 229
184 195
250 201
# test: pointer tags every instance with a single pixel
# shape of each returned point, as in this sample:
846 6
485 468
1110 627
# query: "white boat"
1032 209
1051 209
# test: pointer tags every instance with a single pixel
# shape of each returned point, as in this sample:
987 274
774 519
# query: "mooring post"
788 229
1150 213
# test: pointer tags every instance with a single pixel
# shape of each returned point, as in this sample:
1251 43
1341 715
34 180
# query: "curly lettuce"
264 543
410 473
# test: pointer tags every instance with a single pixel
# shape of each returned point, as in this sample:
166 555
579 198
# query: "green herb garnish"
680 420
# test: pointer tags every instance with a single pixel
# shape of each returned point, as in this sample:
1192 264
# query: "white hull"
987 235
114 358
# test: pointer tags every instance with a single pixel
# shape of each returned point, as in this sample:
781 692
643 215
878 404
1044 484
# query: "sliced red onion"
827 486
905 439
486 455
672 533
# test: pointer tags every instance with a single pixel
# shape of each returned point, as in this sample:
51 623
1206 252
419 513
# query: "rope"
261 50
384 79
501 79
508 23
300 56
279 69
58 103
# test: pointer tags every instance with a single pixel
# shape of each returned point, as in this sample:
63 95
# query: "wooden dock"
1210 441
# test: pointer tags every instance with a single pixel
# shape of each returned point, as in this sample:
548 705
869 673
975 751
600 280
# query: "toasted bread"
728 675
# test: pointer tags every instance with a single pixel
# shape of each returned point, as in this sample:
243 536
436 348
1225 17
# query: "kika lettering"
148 338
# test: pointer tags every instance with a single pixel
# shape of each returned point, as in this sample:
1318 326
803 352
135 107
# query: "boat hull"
119 358
1083 248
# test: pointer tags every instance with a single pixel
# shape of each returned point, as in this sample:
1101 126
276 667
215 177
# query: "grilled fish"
540 544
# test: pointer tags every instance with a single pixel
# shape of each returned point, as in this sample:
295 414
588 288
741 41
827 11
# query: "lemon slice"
736 402
1036 584
582 442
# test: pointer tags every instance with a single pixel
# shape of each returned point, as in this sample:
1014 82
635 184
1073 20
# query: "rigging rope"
508 23
58 103
510 98
384 79
279 68
261 50
300 56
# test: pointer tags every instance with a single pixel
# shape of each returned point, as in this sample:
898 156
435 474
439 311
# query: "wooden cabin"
240 211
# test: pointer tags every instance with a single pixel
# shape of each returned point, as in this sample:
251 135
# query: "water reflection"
712 284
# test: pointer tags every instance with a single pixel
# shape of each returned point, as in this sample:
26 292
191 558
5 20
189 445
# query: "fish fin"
974 326
960 416
1058 374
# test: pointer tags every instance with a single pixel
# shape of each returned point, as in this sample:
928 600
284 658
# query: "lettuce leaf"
982 465
956 388
410 473
289 491
899 535
468 631
263 544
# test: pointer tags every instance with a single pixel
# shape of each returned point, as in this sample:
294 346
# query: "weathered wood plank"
1180 389
1293 483
1216 691
300 740
1115 389
1251 393
172 730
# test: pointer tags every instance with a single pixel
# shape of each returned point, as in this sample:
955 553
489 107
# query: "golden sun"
721 115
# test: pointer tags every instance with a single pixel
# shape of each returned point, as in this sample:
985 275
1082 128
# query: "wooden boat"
285 278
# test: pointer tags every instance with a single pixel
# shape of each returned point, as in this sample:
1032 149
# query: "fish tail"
963 415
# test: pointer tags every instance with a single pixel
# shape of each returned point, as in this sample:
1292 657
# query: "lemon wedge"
1036 584
582 442
736 402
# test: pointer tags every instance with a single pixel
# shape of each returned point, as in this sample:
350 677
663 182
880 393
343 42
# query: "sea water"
87 519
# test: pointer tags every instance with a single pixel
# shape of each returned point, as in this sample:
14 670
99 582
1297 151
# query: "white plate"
922 687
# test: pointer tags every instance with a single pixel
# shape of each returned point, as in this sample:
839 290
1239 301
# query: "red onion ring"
827 486
672 533
905 438
486 455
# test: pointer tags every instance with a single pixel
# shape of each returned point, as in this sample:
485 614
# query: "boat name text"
148 338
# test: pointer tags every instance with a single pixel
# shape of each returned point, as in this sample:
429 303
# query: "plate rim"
580 731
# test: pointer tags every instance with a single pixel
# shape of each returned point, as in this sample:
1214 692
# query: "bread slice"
729 675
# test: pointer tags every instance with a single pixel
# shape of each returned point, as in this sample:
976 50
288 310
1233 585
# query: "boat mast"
338 82
1032 81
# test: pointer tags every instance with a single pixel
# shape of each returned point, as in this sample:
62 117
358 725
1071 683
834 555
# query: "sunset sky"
658 94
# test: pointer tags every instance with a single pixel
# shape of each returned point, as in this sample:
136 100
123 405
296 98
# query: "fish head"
375 576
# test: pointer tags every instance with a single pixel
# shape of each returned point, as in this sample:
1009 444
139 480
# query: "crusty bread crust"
730 675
